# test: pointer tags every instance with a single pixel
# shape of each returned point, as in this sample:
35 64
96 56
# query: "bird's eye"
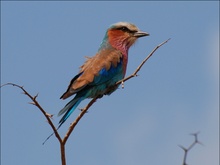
125 29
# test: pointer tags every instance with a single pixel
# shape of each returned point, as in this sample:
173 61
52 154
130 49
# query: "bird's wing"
95 71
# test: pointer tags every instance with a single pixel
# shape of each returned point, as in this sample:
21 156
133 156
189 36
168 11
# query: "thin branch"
143 62
73 124
35 102
84 110
186 150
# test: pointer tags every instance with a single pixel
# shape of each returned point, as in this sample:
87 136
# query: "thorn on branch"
83 109
24 93
35 96
33 103
49 115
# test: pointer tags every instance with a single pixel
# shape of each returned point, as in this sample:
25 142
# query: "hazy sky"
175 94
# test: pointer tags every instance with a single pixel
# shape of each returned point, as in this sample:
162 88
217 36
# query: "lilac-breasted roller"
103 70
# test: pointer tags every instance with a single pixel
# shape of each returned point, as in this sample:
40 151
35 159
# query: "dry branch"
35 102
83 111
186 150
143 62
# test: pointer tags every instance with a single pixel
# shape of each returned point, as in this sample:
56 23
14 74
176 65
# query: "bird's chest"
124 63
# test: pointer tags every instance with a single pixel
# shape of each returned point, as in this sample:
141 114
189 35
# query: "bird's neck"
109 43
113 47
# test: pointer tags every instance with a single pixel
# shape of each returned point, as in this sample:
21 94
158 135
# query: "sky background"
176 93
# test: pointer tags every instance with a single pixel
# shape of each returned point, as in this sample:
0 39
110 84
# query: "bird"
99 74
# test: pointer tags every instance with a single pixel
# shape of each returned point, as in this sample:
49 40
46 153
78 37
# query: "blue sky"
176 92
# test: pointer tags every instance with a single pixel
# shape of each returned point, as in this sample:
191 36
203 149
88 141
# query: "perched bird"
103 70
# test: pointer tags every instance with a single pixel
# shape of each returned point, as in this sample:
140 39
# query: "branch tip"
83 111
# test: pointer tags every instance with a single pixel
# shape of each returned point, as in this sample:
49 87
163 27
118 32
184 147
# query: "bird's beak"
140 34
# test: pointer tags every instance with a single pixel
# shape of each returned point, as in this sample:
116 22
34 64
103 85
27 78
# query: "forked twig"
83 111
186 150
35 102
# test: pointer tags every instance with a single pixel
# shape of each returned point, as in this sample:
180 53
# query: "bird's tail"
68 109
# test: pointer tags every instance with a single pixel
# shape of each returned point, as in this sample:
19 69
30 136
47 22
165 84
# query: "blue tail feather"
68 109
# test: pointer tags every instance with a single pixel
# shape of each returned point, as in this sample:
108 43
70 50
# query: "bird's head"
123 35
